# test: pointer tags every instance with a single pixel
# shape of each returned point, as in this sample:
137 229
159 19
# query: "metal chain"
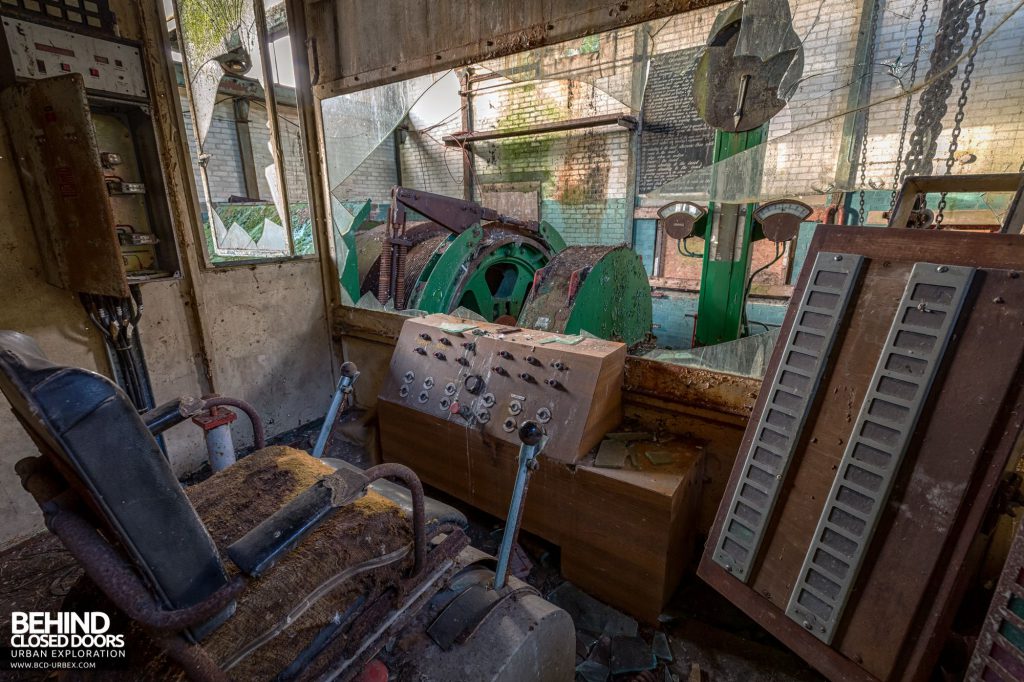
961 105
949 45
897 178
867 112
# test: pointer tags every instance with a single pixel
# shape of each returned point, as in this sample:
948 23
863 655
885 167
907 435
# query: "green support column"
723 279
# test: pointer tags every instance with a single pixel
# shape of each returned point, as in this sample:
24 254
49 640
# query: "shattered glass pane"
250 205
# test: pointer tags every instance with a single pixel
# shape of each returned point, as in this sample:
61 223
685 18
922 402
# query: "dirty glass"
868 98
886 96
250 157
746 357
366 134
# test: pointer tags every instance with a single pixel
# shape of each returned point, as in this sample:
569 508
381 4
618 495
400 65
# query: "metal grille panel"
790 398
902 380
999 653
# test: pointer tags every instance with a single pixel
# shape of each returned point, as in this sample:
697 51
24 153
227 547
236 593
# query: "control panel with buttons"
108 66
491 378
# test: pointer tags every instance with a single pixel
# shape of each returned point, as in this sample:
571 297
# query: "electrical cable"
685 251
780 250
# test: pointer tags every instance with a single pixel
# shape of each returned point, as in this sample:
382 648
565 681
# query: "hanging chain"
867 112
932 105
897 178
961 105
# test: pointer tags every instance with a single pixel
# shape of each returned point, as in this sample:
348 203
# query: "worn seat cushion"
235 500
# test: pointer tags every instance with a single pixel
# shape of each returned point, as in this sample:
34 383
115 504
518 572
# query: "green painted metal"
349 270
614 301
551 237
602 290
723 281
501 279
488 272
436 286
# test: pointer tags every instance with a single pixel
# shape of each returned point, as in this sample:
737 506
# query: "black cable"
780 250
685 250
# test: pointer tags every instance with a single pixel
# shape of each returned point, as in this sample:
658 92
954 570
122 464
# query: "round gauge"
679 217
780 220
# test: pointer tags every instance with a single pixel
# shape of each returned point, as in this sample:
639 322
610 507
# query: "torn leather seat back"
89 429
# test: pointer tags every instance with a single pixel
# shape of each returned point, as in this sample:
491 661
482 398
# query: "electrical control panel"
108 67
76 107
492 378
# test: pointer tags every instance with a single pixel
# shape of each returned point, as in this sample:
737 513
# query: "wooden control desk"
625 534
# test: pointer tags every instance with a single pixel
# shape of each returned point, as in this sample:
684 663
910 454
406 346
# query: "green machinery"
751 63
507 270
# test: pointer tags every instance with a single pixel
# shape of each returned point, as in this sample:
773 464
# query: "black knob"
425 336
469 345
527 378
444 342
420 350
462 361
530 433
499 370
474 383
505 354
533 361
554 383
439 355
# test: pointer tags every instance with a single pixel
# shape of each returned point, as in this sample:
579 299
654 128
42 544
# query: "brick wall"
348 125
993 127
224 168
582 176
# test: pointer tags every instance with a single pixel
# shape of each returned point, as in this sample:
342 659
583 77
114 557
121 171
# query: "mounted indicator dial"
780 220
679 217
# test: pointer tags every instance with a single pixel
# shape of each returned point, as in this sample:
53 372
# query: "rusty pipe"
419 525
120 583
258 434
193 659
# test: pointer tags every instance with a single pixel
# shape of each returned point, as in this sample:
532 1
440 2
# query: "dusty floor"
706 633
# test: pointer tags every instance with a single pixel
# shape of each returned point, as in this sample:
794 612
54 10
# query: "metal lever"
533 439
349 374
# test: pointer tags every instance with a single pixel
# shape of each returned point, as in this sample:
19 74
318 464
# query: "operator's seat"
289 523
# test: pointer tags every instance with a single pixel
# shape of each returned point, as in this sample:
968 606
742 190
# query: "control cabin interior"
435 340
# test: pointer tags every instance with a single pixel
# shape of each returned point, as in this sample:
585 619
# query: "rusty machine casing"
449 409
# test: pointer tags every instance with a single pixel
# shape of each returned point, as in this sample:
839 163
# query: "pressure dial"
679 218
780 220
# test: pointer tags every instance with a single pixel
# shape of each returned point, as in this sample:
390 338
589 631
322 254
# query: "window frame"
270 102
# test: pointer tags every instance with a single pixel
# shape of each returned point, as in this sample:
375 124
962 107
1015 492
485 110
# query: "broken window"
594 135
238 93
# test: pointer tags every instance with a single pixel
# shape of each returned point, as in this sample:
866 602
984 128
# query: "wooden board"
625 535
904 598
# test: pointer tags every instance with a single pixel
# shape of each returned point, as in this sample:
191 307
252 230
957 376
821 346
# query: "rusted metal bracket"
456 215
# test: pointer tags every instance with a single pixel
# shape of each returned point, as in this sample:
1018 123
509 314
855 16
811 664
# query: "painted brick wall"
225 166
347 125
582 176
993 127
